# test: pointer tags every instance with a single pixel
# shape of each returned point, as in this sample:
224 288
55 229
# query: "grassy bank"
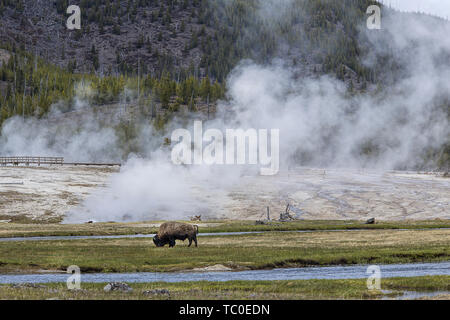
264 290
29 230
255 251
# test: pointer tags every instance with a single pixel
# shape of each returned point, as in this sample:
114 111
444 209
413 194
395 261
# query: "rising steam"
321 124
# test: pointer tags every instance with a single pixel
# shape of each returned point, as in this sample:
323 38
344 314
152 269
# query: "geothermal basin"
42 193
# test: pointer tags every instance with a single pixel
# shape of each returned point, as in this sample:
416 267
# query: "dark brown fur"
171 231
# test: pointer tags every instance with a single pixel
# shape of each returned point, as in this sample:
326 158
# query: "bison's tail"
196 228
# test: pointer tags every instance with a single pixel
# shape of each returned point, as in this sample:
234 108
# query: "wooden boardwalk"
15 161
27 161
94 164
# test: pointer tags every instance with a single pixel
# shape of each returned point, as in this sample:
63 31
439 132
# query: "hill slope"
199 37
172 58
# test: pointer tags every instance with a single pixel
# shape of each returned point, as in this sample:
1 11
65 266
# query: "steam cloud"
320 124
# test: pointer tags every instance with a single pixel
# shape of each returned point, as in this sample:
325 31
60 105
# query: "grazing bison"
171 231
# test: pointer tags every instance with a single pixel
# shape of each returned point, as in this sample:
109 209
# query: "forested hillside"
182 50
30 85
175 55
198 37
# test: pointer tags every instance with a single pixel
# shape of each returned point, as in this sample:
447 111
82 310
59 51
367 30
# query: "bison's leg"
195 240
190 242
172 242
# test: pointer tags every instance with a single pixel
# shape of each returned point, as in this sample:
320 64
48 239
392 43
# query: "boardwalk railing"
16 161
31 160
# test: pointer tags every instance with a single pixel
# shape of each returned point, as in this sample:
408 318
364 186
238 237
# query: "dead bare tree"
286 216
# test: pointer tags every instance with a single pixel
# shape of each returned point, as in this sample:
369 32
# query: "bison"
171 231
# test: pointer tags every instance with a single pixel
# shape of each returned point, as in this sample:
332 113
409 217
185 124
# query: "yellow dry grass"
336 239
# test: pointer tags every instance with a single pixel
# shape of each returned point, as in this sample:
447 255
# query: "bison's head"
158 242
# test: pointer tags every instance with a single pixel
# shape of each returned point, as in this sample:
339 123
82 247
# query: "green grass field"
382 243
239 252
262 290
111 228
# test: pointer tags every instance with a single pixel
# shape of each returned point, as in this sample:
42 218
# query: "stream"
333 272
126 236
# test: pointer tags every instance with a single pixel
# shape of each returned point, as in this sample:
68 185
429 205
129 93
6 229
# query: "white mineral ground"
47 192
312 193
